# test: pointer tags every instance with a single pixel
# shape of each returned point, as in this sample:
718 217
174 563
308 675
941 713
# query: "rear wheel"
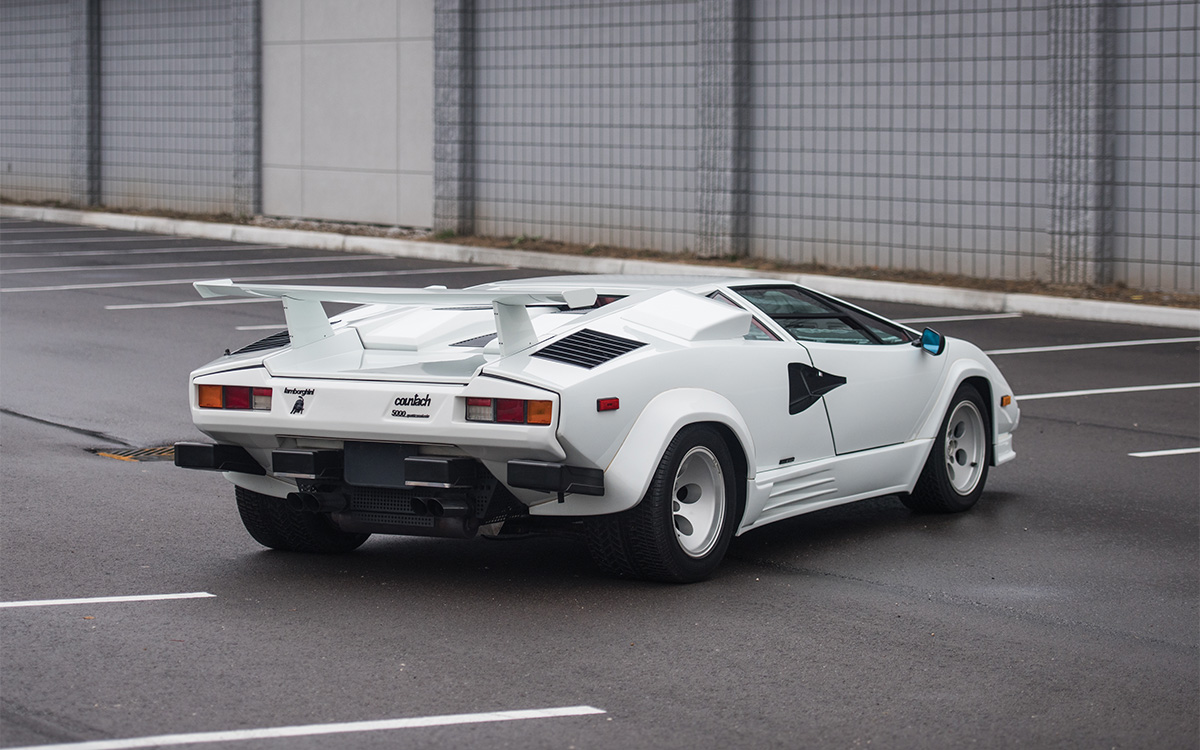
680 530
274 525
957 467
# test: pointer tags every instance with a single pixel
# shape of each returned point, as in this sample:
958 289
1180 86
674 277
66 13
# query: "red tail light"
509 411
240 397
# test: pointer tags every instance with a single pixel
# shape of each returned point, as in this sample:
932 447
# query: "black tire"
274 525
957 467
655 540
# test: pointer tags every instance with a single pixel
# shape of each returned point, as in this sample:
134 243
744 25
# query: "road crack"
78 430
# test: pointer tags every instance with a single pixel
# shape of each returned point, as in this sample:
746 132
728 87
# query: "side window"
808 316
758 332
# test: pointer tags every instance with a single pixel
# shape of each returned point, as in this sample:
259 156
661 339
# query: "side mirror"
932 342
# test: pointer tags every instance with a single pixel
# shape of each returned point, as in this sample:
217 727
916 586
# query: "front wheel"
680 530
957 467
274 525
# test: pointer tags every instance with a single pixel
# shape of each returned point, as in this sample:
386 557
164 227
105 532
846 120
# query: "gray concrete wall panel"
347 110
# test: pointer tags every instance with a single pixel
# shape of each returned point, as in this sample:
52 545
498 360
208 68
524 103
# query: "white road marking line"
171 282
1102 391
6 228
952 318
261 328
1099 345
81 240
196 264
106 600
1173 452
145 251
313 730
191 303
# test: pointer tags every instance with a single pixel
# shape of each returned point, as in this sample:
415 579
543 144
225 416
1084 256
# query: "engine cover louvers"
588 348
274 341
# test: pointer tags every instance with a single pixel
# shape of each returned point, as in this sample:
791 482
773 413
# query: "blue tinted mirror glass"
932 341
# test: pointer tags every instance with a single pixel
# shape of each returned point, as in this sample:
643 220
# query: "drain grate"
161 453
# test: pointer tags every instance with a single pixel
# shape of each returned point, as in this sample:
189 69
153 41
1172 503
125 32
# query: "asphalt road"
1060 612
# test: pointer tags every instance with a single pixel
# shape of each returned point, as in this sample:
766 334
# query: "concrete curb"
882 291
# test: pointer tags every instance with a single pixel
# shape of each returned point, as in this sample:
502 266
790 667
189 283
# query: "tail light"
509 411
242 397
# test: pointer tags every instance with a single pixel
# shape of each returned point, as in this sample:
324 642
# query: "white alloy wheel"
966 447
698 502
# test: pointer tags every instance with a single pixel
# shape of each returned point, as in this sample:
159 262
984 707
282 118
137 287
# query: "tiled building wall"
899 135
167 130
1007 139
584 121
35 100
132 104
1155 219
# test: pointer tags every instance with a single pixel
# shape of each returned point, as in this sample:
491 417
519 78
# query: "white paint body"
866 438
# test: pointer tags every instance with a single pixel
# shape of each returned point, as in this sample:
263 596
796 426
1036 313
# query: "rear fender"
629 474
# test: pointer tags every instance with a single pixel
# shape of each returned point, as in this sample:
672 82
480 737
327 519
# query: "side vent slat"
274 341
588 348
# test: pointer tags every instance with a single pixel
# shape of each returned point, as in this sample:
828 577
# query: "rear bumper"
217 457
555 477
390 466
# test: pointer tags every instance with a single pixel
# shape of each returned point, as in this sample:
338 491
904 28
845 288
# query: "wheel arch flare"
628 475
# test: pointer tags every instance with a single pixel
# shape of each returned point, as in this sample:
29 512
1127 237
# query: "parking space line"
314 730
197 264
145 251
5 228
106 600
1102 391
1098 345
1172 452
81 240
954 318
292 277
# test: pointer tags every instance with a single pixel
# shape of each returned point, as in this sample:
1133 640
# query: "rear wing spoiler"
307 322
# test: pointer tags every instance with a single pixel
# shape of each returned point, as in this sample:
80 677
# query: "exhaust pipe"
448 507
301 501
309 502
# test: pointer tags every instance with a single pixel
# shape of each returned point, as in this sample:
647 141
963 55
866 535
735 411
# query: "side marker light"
1005 400
608 404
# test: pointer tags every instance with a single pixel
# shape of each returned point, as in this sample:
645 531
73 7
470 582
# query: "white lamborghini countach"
655 417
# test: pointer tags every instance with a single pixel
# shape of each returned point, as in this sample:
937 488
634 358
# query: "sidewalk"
885 291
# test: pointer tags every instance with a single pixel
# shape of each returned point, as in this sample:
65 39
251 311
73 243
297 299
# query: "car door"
876 386
886 393
788 429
